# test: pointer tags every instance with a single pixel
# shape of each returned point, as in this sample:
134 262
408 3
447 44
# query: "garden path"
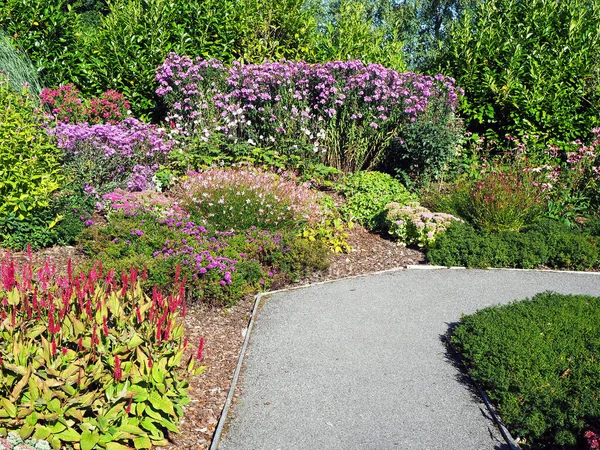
361 363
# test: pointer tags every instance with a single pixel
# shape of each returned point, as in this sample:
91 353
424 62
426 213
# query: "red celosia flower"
128 409
200 349
80 344
177 273
53 347
118 372
64 350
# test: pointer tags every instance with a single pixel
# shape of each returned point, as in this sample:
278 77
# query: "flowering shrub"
65 105
592 440
414 224
220 267
240 198
346 114
107 156
89 359
570 173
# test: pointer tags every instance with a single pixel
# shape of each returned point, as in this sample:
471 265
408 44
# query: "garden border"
257 302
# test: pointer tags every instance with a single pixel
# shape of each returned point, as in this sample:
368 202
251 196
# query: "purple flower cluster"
126 154
273 104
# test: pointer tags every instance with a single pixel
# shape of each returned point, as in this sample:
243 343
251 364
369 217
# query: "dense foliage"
30 168
547 243
526 67
368 193
538 361
89 359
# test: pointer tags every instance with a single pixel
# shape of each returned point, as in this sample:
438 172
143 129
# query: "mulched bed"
224 328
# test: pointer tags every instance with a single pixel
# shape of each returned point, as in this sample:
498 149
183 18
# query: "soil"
224 328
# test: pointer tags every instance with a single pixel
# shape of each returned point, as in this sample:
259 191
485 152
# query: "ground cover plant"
88 358
163 235
547 243
415 224
537 360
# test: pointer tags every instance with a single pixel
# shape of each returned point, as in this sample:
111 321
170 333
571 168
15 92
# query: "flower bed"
89 359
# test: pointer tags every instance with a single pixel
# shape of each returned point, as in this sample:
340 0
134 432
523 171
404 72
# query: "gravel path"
361 363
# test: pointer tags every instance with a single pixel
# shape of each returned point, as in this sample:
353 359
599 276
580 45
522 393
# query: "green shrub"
501 200
47 32
526 67
89 360
538 361
547 243
367 194
30 170
414 224
355 31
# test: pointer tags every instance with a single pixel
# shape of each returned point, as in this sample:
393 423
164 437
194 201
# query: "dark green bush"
367 193
538 361
100 45
547 243
526 67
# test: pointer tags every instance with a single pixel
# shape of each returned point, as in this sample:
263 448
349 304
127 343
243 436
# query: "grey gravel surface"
361 363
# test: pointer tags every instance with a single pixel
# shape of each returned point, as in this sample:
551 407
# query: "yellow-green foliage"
29 163
89 360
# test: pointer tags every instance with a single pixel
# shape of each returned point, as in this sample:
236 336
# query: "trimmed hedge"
547 243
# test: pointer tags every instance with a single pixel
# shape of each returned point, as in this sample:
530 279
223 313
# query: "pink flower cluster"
239 192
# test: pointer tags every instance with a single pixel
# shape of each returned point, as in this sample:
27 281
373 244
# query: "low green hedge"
547 243
539 362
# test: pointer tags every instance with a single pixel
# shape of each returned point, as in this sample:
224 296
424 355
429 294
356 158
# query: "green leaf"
26 431
142 442
9 407
161 403
89 439
69 435
42 432
116 446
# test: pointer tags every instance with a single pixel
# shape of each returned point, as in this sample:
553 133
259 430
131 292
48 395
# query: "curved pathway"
361 363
